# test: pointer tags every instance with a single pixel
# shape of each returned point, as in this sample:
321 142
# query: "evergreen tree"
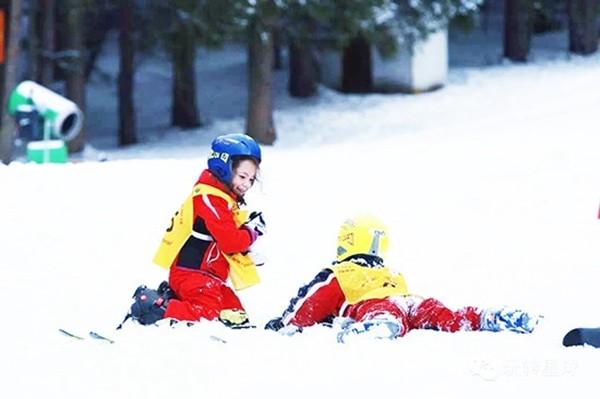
354 25
259 20
48 27
75 83
386 23
127 132
518 26
181 26
335 23
583 26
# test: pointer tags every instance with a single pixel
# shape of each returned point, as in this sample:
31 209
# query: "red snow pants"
428 314
199 296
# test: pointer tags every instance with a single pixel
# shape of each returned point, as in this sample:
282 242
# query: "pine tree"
127 132
518 25
48 10
260 18
335 23
181 26
583 26
355 25
75 73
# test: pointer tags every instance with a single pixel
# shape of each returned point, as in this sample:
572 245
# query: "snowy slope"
491 191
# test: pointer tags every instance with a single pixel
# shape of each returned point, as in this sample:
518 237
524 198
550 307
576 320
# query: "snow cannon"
63 119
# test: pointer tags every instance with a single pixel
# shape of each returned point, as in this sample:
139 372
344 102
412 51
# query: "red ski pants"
432 314
200 296
428 314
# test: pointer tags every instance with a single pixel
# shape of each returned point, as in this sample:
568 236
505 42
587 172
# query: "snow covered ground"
491 189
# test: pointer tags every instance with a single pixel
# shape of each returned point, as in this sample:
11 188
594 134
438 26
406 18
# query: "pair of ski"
91 334
168 322
99 337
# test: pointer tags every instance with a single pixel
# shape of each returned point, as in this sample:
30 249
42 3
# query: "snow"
489 187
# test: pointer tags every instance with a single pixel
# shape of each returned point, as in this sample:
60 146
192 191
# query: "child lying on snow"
367 297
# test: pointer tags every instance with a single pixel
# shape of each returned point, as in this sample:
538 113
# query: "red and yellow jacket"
206 234
342 290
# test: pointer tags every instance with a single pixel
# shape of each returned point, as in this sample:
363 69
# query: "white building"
424 68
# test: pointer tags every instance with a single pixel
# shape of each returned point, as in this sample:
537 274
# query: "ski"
100 337
583 336
97 336
176 324
217 339
70 334
241 326
92 334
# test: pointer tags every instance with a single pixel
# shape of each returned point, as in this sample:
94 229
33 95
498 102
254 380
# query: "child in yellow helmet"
364 296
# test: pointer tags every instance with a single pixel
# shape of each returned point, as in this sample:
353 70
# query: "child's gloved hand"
275 324
256 222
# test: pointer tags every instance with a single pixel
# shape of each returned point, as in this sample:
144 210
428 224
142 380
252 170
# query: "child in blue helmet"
207 242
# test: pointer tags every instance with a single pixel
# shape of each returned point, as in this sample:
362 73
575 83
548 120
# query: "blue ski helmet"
226 148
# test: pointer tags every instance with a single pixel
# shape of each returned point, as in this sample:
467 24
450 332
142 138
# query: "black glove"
276 324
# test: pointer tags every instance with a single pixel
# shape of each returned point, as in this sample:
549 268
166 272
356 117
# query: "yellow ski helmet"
362 235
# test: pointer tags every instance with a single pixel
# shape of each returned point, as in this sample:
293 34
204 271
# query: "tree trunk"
98 22
259 123
126 74
48 42
184 109
75 82
303 70
583 31
517 29
357 74
277 44
12 17
33 43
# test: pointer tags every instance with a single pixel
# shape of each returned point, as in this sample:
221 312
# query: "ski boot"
235 319
149 306
377 328
508 320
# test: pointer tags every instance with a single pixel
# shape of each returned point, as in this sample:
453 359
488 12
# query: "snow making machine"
46 120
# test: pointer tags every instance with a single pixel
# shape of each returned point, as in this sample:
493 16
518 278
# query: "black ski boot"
149 305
